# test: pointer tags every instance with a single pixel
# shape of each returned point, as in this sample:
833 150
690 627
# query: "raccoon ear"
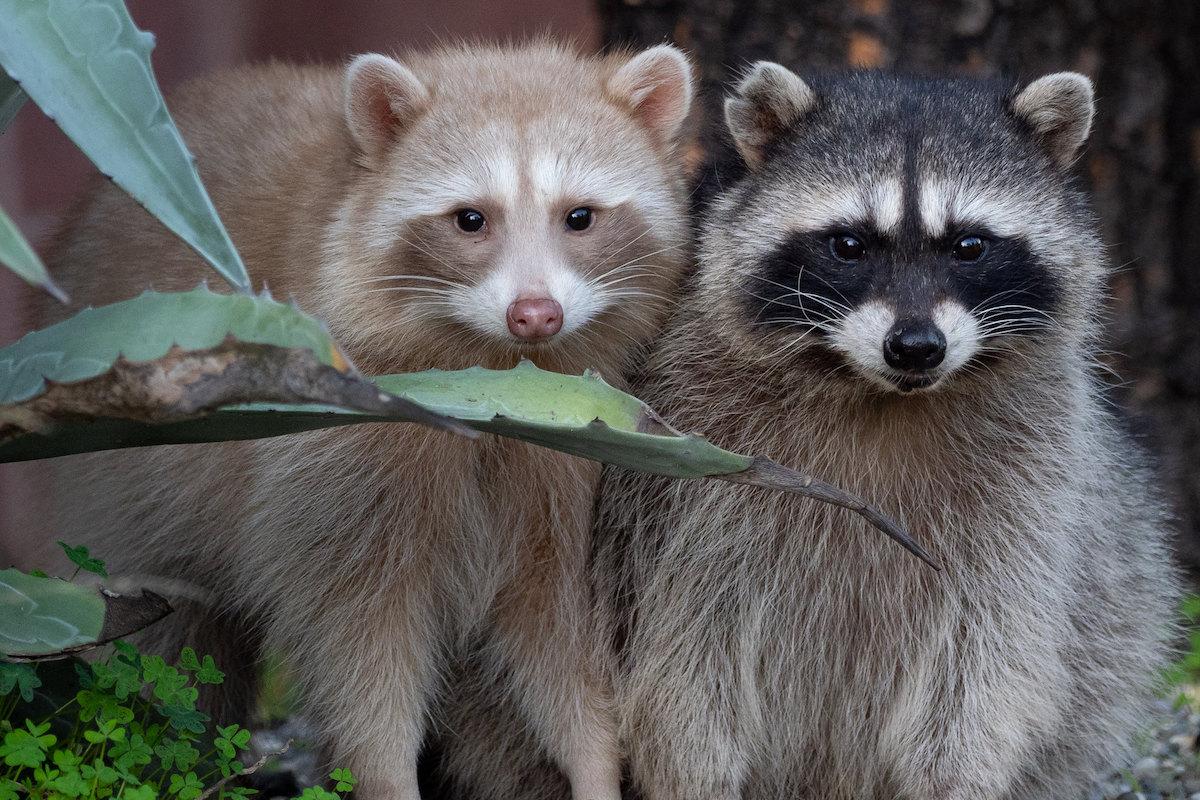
767 101
657 85
1059 108
382 97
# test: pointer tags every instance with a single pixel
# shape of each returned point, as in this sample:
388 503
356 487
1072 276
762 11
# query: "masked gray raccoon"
901 295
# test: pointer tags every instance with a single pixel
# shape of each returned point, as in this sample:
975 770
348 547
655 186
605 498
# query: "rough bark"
1143 161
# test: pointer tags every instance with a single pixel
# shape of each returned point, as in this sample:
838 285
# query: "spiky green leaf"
162 358
87 66
581 415
12 98
46 615
18 256
144 329
46 618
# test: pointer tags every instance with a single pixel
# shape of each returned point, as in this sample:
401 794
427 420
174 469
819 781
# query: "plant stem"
96 777
56 712
10 705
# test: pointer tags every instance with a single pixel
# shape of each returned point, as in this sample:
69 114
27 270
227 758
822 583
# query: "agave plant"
86 64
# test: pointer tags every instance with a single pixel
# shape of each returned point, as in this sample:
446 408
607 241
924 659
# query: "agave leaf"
45 618
167 357
17 255
87 66
12 97
145 328
581 415
46 615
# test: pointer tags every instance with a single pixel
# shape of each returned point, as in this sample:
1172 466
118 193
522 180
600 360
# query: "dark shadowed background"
1143 162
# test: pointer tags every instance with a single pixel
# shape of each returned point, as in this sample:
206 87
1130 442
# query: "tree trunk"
1143 161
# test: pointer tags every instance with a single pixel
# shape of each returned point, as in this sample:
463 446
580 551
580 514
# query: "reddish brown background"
41 171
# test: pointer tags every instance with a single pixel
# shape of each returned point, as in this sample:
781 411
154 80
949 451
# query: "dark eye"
847 247
579 219
469 220
969 248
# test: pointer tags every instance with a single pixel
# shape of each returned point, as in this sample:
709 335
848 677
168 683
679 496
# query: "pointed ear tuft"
383 97
657 85
768 101
1059 108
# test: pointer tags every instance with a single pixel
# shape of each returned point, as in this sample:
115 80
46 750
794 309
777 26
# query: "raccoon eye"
847 247
469 220
580 219
969 248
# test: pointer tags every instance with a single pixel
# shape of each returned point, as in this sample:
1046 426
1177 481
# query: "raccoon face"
515 200
899 231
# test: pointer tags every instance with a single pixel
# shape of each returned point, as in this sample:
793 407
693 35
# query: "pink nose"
533 320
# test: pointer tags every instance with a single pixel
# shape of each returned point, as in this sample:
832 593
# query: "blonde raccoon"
472 205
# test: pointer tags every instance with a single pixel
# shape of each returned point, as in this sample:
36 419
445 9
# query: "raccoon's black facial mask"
804 282
908 309
815 278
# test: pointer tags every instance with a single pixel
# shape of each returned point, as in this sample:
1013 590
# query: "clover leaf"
177 752
122 677
231 739
318 793
143 792
99 773
133 752
171 686
188 786
106 731
208 672
82 560
71 784
27 748
21 677
184 719
344 780
66 760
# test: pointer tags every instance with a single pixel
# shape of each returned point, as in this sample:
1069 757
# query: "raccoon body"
468 206
901 295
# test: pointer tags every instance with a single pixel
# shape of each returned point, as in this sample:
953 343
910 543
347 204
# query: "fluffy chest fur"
393 505
827 638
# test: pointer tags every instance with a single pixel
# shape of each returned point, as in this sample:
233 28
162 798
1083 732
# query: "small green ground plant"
123 725
1182 678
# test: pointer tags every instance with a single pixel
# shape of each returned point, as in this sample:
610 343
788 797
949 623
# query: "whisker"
429 278
427 250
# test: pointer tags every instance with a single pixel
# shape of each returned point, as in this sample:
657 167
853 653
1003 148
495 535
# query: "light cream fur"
377 559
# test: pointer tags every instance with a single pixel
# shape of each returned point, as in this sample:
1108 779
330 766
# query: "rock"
1146 769
1184 744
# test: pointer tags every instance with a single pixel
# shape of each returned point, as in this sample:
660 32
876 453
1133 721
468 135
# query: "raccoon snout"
533 320
914 346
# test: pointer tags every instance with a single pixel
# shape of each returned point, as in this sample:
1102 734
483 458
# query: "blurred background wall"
41 172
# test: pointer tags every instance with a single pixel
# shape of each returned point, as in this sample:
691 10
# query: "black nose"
914 346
